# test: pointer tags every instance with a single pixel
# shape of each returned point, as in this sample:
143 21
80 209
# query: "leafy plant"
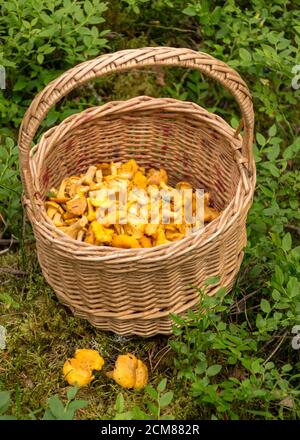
157 400
223 362
4 405
10 189
58 411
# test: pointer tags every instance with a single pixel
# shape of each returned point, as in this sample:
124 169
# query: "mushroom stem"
74 229
90 174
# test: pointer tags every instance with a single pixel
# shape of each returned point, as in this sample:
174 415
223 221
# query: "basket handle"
124 60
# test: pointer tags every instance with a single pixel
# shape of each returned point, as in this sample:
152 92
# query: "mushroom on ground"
129 372
89 358
76 374
78 370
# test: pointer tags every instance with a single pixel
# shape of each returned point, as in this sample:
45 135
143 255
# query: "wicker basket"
133 291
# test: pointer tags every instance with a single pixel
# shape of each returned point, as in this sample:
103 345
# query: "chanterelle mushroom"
53 208
129 372
89 176
76 374
78 370
76 206
102 234
125 241
123 205
89 358
61 192
73 229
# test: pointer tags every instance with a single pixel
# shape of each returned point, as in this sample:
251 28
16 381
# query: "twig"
6 241
276 348
162 356
150 359
12 271
7 249
238 312
167 28
236 305
293 228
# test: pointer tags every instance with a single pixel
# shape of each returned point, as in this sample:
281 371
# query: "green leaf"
128 415
265 306
292 150
255 366
287 242
213 370
261 140
245 55
272 130
151 392
139 414
162 385
88 7
56 407
71 393
201 367
273 152
293 287
166 398
4 401
120 403
77 404
153 408
276 295
260 321
48 415
279 275
6 417
190 11
286 368
212 280
68 414
40 58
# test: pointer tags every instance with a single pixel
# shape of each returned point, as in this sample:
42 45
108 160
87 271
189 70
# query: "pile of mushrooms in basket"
127 206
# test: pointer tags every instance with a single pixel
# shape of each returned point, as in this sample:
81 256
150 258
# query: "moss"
42 334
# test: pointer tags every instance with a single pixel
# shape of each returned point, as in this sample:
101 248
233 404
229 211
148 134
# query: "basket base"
135 327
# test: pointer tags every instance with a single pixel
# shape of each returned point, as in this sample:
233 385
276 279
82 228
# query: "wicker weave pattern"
133 291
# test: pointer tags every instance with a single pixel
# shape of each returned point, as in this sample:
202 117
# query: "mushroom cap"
130 372
141 375
89 358
125 241
76 374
